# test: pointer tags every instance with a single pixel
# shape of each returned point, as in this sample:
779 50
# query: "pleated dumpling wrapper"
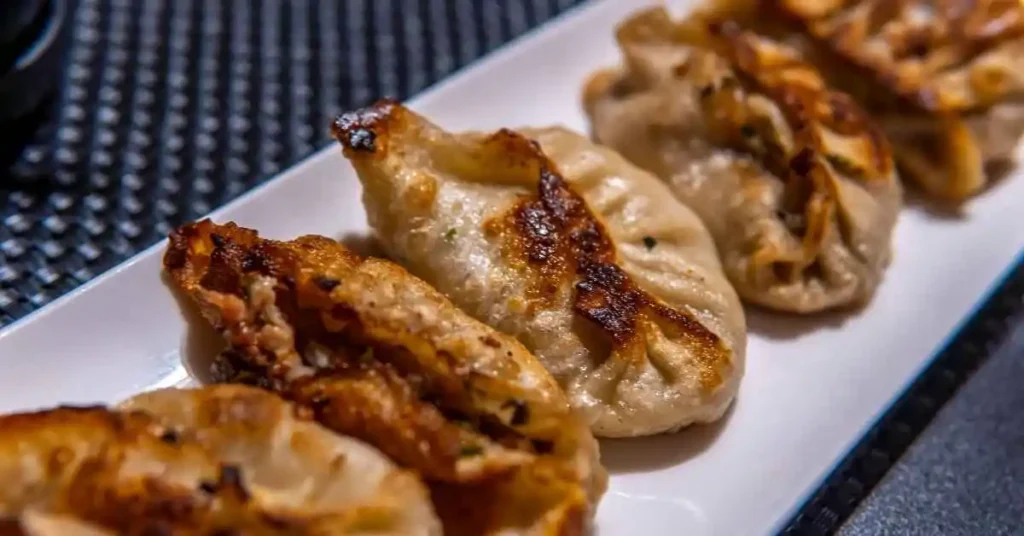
215 460
587 260
944 78
373 352
794 181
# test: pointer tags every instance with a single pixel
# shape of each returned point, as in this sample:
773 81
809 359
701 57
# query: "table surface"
170 108
965 473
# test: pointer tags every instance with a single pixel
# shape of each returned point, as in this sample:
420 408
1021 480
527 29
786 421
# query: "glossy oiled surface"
546 243
810 388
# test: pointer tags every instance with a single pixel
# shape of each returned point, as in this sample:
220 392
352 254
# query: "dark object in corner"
30 55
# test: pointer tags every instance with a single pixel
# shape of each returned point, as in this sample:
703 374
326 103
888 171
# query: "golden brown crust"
360 129
222 459
554 236
370 401
944 77
302 319
915 48
364 397
87 457
821 137
808 103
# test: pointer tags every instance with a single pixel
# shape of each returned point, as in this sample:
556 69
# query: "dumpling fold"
794 181
589 261
945 78
216 460
372 352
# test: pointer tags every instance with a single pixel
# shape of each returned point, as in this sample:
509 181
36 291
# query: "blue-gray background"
965 473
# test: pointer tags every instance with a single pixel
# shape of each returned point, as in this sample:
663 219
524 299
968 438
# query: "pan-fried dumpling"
372 352
216 460
293 464
944 78
587 260
795 183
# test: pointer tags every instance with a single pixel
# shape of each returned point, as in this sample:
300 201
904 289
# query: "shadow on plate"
202 343
640 454
914 198
996 172
785 326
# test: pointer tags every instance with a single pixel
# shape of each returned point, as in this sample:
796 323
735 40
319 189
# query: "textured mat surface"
170 108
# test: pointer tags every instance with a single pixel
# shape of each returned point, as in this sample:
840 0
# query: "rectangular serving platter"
813 385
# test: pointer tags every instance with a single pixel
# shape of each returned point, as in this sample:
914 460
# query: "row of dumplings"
350 398
557 289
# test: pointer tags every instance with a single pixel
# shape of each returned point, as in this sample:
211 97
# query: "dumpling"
945 79
795 183
295 466
216 460
587 260
372 352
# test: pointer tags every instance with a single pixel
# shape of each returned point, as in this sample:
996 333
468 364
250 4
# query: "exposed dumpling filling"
793 180
372 352
589 261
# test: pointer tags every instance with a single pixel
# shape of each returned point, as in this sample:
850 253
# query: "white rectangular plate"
813 386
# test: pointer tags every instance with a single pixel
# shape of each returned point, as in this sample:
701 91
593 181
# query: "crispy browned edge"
556 236
95 494
977 27
356 394
806 101
764 65
381 399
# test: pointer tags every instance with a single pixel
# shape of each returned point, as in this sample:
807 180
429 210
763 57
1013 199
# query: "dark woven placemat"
170 108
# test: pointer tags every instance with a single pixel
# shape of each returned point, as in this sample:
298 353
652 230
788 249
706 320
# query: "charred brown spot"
170 436
218 240
207 487
144 506
803 98
559 238
520 412
359 130
416 434
231 481
11 526
536 223
222 274
177 249
326 284
541 446
255 261
421 414
802 162
954 33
